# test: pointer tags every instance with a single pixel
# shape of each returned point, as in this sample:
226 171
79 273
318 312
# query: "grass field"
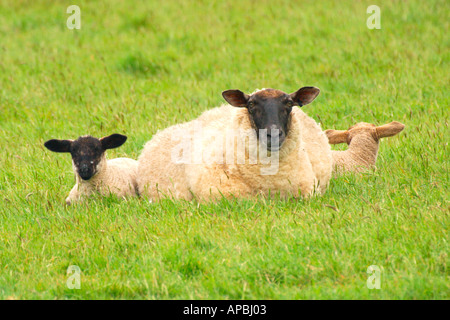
138 67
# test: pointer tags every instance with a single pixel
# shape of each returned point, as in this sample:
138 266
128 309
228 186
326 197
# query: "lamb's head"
88 153
269 110
366 131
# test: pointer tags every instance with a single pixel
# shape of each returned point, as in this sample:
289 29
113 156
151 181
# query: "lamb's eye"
290 104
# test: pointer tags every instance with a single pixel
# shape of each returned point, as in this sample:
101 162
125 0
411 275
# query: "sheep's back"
317 147
121 176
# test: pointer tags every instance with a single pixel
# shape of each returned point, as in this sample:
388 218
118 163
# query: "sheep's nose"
85 172
276 133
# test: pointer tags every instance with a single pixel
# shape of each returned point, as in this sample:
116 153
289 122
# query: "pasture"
138 67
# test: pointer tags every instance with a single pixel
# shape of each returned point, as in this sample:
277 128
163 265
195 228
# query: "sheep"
363 140
279 150
93 172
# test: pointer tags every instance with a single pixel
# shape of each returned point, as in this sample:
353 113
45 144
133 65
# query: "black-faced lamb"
93 172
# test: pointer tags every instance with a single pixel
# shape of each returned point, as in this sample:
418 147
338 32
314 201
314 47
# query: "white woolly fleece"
305 161
115 176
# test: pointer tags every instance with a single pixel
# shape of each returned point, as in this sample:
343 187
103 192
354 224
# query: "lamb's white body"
360 156
305 161
363 140
115 176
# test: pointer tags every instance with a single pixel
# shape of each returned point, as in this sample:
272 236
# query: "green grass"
136 68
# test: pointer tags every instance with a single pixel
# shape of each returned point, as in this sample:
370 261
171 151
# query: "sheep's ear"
113 141
236 98
305 95
58 145
337 136
390 129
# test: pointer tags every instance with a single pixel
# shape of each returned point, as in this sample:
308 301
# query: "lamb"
363 140
93 172
278 150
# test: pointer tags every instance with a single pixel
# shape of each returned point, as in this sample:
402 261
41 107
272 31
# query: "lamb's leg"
74 195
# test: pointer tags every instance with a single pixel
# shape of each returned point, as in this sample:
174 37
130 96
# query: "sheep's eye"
290 104
251 106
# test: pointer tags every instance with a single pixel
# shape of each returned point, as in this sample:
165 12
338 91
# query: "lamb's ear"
305 95
113 141
390 129
236 98
58 145
337 136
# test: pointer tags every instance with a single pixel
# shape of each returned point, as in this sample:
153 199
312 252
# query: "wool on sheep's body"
305 161
361 156
114 176
363 140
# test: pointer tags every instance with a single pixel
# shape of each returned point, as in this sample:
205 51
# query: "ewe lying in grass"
93 173
279 149
363 140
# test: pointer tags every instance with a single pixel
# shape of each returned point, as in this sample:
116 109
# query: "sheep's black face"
270 110
87 152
